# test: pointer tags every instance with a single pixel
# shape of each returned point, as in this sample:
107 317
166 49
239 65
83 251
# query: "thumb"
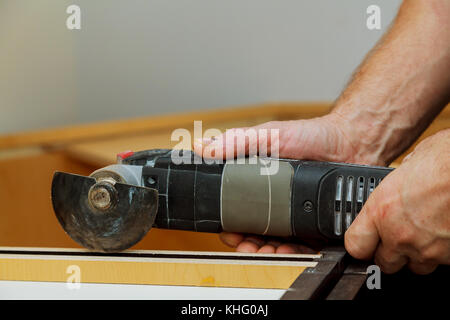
362 238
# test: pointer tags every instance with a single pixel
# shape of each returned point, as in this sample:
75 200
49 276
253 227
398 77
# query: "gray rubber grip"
255 203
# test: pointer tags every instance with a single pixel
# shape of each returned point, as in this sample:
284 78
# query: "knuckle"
351 245
389 260
403 237
372 207
381 202
375 211
429 255
384 258
382 264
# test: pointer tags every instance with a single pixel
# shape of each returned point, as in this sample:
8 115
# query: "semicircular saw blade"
115 229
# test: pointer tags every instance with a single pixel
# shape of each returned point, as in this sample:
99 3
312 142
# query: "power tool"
115 207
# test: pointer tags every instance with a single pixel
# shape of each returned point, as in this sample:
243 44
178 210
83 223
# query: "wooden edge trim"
351 282
315 282
158 254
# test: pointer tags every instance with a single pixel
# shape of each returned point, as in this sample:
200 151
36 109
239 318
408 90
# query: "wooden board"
155 267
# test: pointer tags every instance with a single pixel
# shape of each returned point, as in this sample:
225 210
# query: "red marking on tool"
125 154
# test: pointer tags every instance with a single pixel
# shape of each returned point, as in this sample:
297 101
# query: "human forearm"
402 84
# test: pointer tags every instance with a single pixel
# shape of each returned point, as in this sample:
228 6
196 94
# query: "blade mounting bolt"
102 195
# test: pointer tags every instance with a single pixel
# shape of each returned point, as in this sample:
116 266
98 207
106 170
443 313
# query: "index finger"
362 237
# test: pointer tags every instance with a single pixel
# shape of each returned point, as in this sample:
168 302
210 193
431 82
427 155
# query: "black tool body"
116 206
324 197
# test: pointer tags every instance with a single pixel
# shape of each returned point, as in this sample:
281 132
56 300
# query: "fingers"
389 260
271 246
361 239
259 241
247 247
243 243
422 268
239 142
319 138
253 244
287 248
267 249
294 248
231 239
258 244
388 229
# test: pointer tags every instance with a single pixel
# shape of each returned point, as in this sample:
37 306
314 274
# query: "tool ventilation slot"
371 186
350 195
349 202
338 206
360 194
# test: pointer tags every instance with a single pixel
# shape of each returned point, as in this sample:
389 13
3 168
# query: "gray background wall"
135 58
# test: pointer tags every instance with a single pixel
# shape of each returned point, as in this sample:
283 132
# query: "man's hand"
321 138
406 220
